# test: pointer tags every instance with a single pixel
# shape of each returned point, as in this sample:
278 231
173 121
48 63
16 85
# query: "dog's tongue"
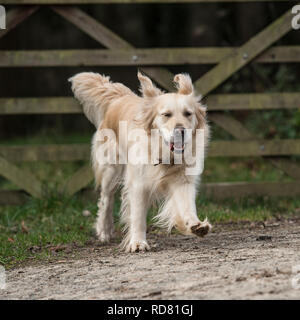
178 144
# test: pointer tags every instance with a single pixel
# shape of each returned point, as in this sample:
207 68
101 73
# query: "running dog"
172 115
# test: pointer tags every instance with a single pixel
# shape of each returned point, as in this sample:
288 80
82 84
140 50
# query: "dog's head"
175 115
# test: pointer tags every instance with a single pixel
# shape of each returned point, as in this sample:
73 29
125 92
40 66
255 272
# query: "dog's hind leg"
109 181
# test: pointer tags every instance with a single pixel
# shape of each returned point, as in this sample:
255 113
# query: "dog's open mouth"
176 143
177 147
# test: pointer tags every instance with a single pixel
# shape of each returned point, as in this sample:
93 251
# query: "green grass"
247 209
58 220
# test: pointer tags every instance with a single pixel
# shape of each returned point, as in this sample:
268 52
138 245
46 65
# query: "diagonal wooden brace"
109 39
25 180
15 16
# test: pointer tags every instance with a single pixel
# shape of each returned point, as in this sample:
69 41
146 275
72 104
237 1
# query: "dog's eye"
167 114
187 113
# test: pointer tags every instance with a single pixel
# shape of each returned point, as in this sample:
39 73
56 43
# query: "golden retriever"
175 117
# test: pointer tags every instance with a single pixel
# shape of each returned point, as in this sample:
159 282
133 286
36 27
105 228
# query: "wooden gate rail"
215 102
137 57
120 52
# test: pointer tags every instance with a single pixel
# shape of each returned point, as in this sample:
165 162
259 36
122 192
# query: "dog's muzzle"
177 142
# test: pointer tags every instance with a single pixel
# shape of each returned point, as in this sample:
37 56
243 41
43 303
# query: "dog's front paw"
201 229
137 246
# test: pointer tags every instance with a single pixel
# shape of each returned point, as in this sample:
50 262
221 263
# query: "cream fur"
106 104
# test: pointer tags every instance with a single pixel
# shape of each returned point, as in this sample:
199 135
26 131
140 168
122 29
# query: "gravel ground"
234 262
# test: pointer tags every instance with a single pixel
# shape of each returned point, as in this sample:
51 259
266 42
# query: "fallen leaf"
58 248
24 228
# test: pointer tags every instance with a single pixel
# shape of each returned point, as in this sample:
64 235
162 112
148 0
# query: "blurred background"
153 26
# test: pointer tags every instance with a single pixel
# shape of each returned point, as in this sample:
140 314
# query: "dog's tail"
96 92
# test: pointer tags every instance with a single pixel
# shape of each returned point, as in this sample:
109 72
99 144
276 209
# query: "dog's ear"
147 88
200 113
183 83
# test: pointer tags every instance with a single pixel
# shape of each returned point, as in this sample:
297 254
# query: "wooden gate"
119 52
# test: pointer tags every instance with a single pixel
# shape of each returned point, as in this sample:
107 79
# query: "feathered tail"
95 92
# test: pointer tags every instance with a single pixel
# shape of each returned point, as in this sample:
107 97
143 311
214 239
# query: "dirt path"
230 264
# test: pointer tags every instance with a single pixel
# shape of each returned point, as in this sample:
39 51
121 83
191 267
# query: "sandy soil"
244 262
